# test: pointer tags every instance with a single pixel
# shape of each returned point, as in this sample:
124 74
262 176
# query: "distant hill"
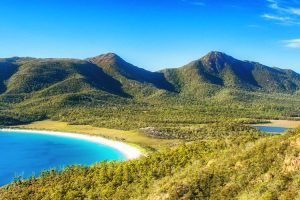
55 76
109 74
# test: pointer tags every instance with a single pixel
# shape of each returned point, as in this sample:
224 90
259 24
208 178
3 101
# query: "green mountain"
110 74
55 76
219 70
129 74
33 89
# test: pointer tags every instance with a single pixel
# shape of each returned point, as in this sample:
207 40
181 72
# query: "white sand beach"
130 152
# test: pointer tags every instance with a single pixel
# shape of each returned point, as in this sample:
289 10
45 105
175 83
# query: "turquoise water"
272 129
28 154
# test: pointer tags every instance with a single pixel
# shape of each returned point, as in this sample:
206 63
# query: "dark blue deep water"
28 154
272 129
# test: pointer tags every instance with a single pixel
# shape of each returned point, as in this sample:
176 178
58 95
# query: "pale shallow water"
272 129
25 154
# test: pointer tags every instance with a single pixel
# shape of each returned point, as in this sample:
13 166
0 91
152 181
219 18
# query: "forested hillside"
218 70
112 74
247 166
115 91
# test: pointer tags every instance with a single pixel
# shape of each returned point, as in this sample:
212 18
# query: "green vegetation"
205 132
193 121
245 167
106 91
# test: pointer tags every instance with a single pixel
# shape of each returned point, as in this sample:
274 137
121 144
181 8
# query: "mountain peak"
215 61
216 56
109 55
106 58
217 53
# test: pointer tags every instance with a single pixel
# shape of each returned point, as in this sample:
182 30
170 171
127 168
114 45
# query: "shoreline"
280 123
128 151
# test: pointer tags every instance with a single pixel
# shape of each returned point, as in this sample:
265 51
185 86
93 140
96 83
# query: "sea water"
27 154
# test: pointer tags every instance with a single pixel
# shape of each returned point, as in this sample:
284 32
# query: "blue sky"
153 34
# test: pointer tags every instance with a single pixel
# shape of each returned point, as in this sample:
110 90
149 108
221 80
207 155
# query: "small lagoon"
26 154
272 129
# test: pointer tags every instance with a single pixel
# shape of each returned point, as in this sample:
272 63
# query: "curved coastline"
128 151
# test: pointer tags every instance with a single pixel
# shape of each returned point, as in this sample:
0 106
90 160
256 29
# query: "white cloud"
295 11
253 26
277 18
195 2
285 11
294 43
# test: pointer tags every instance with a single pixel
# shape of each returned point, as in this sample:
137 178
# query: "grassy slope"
264 169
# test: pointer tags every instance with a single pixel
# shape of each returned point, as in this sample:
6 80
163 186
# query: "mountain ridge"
220 69
112 74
